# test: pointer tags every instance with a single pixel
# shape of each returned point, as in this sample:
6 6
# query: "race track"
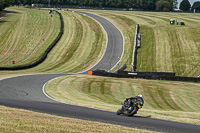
115 44
26 92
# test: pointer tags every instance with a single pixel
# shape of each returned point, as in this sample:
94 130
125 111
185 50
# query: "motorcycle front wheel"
134 111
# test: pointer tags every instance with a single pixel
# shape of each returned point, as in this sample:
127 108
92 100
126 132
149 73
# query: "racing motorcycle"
130 106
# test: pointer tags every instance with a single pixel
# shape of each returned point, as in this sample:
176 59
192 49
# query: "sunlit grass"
22 33
165 47
176 101
81 46
18 120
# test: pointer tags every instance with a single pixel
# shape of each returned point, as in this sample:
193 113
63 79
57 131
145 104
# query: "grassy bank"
176 101
165 47
18 120
82 45
22 33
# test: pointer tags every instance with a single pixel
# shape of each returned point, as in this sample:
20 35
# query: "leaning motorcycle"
130 107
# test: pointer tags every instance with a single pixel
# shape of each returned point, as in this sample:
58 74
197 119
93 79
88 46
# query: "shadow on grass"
5 12
9 11
3 21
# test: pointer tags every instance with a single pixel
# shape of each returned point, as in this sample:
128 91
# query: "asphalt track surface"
26 92
115 41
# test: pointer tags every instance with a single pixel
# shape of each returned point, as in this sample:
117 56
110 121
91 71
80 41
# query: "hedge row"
44 56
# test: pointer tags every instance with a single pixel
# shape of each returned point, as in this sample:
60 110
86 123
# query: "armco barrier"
134 62
149 75
44 56
121 69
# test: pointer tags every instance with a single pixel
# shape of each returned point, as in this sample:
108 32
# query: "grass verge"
165 47
175 101
81 46
18 120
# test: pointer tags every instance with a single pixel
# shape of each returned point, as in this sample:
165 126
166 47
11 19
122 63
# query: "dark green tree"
196 6
163 5
99 3
109 3
175 4
5 3
149 5
1 5
128 3
185 5
71 2
136 3
118 3
90 3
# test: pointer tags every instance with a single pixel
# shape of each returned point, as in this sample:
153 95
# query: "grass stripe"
164 97
26 29
168 48
18 120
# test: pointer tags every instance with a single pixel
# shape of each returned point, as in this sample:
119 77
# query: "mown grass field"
165 47
22 33
17 120
177 101
81 46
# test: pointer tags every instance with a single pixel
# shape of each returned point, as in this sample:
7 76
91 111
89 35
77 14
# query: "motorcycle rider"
136 98
131 105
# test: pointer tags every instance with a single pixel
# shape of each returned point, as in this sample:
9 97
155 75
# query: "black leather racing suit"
129 100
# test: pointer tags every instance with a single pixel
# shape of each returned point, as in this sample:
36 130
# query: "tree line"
146 5
186 6
5 3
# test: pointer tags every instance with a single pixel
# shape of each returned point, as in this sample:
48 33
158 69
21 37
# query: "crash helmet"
140 96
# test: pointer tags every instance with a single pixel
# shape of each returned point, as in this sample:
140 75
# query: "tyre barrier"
168 74
44 56
145 75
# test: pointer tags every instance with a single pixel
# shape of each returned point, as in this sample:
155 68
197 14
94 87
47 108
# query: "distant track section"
114 51
44 56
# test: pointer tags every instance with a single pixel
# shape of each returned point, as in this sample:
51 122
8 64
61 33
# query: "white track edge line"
79 72
43 90
107 39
